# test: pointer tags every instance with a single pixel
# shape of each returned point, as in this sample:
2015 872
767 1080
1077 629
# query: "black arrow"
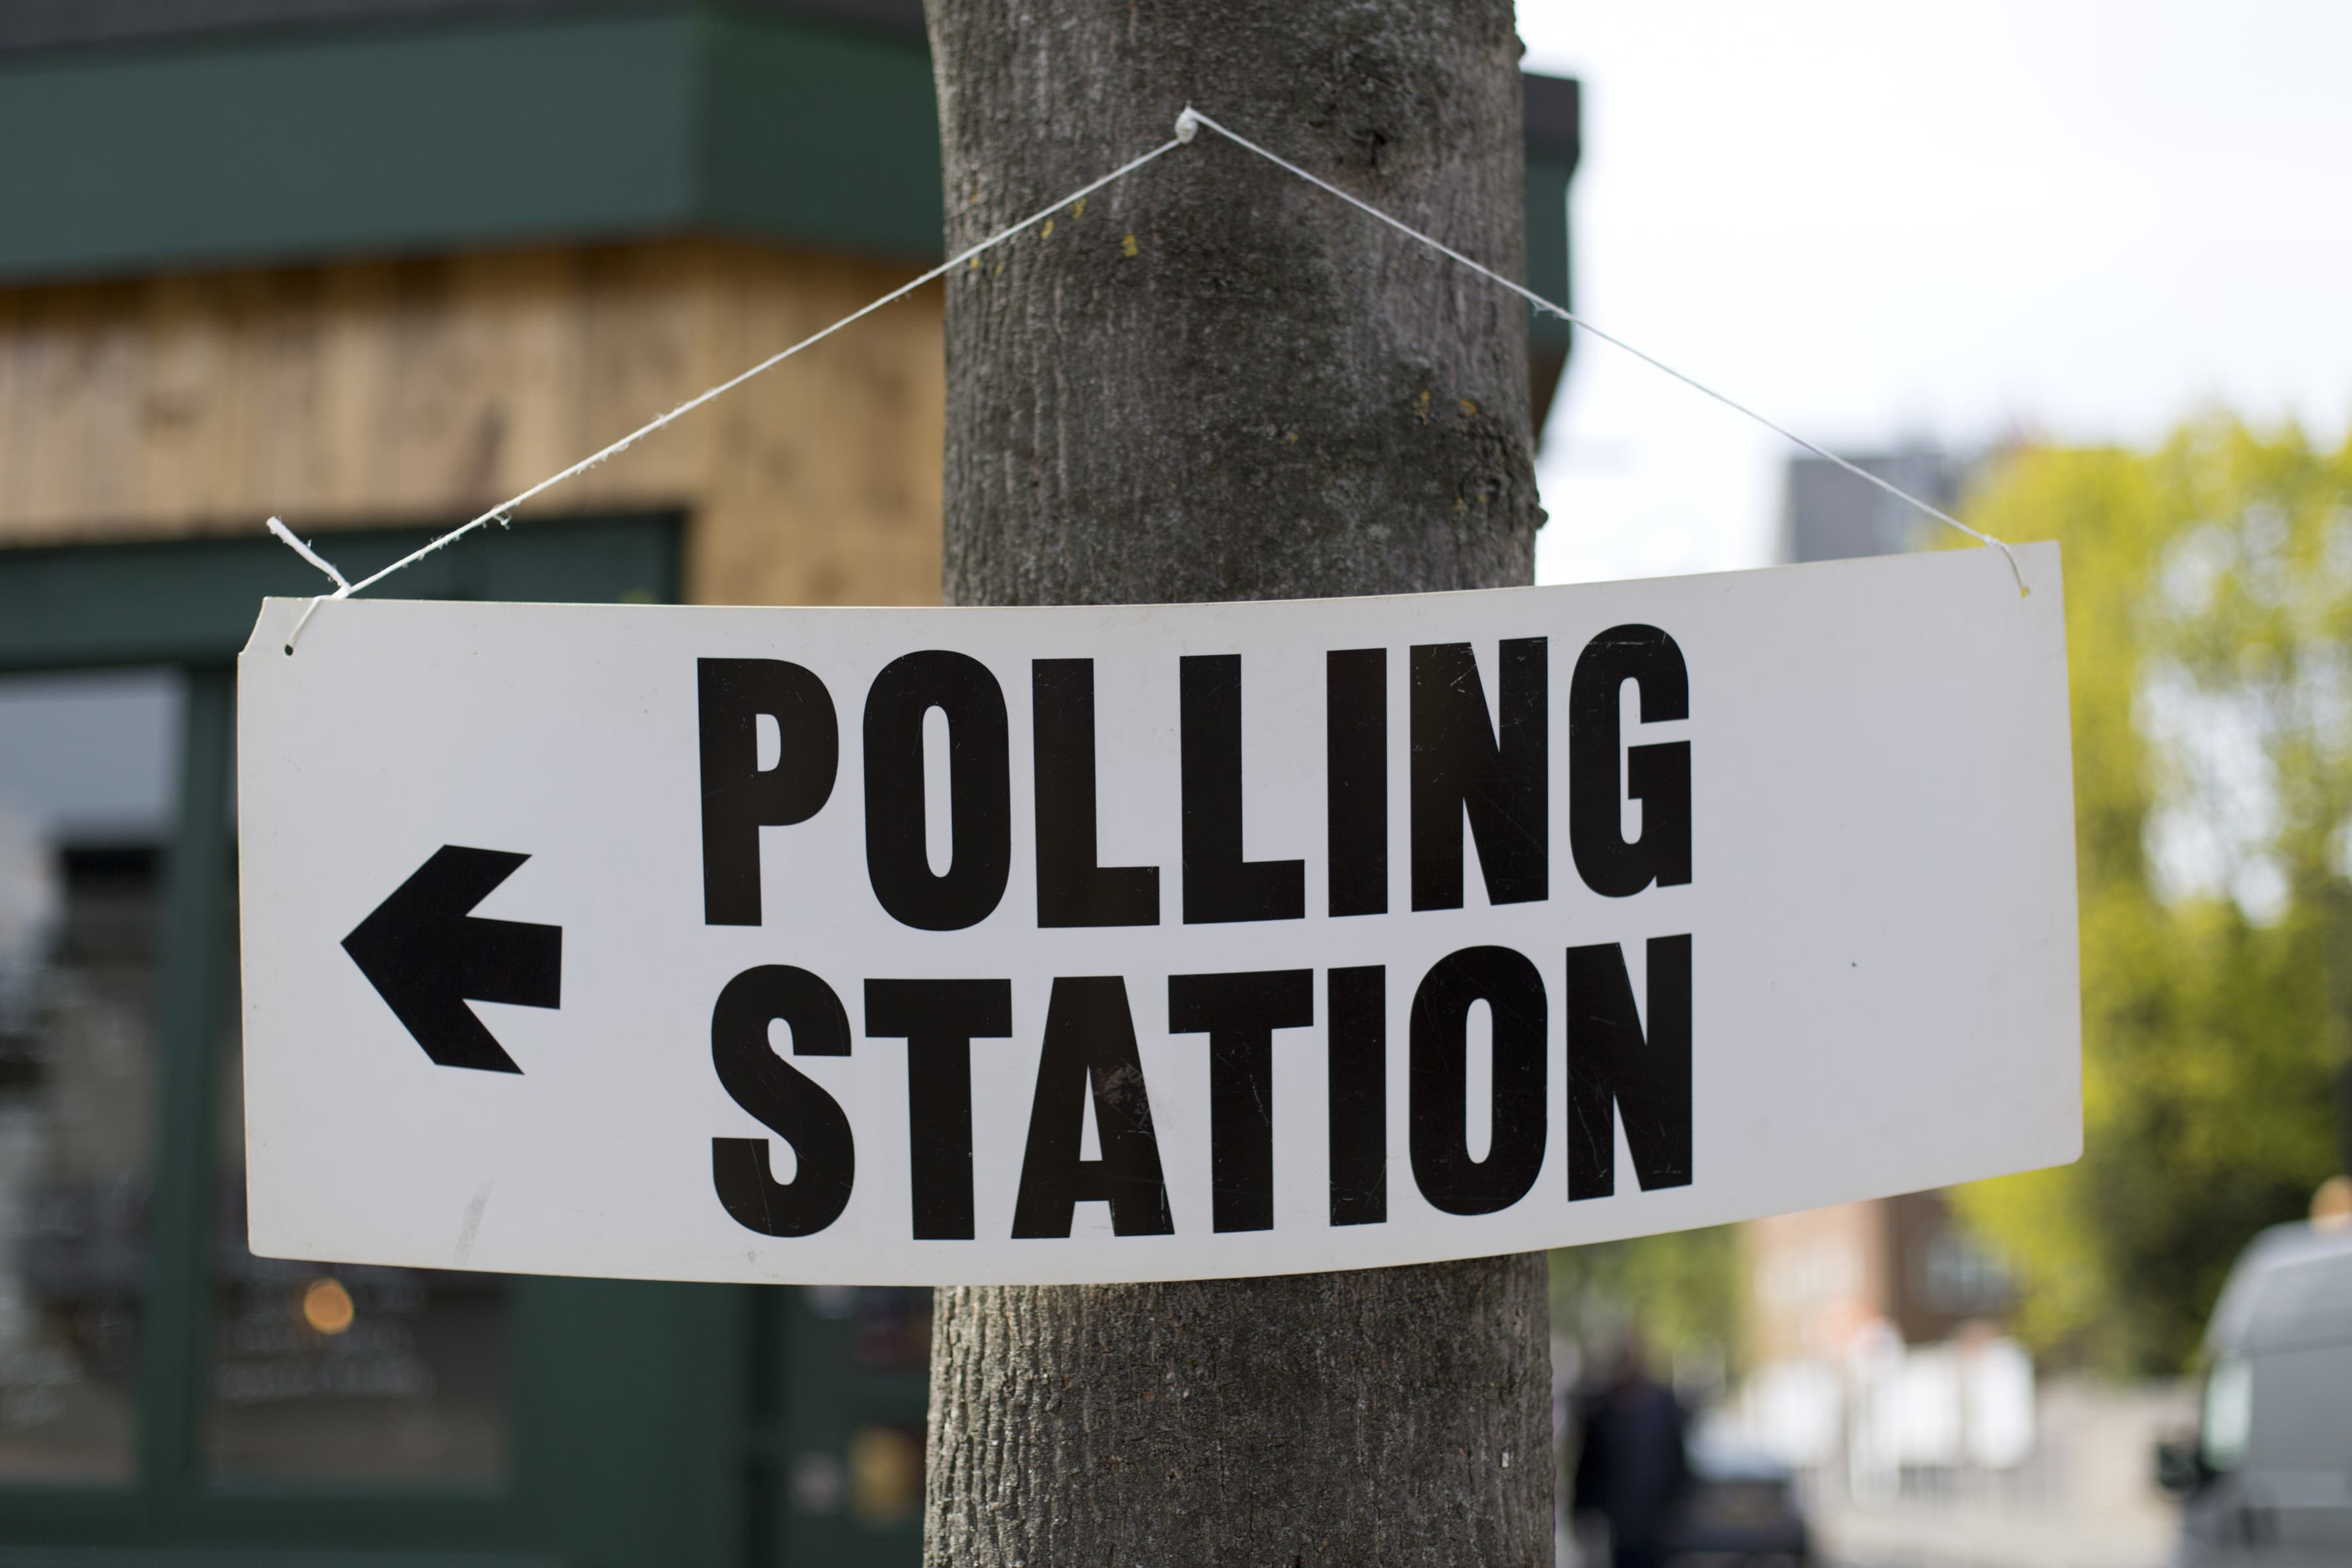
428 957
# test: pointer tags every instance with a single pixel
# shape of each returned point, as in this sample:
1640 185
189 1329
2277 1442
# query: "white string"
307 553
1192 118
1188 125
504 512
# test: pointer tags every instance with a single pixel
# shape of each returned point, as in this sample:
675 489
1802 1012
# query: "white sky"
1876 219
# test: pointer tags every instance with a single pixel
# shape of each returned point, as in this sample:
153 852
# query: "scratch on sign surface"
473 1225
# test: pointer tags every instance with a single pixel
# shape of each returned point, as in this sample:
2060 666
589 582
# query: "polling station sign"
1093 944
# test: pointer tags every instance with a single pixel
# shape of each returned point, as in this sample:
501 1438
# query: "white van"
2268 1480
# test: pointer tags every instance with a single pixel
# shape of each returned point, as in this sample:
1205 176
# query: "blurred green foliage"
2209 618
1682 1290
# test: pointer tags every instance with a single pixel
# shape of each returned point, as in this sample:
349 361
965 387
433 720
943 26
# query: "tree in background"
2208 622
1681 1291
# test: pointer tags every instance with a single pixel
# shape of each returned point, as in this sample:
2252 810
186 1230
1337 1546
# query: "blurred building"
374 264
1828 514
1816 1280
1874 1327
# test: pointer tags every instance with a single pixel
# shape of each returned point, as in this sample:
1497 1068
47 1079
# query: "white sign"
1072 945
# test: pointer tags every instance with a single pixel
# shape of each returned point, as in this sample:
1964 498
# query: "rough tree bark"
1214 382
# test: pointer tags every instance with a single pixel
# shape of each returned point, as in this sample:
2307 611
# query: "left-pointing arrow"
427 956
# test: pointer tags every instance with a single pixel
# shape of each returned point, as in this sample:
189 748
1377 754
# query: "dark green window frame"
653 1425
659 1356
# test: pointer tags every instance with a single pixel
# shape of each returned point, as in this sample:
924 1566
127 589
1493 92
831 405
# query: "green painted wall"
1547 252
247 149
819 135
238 148
193 601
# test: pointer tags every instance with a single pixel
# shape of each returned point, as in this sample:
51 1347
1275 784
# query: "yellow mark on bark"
1461 505
1080 209
1047 232
1126 245
1421 406
1294 435
1469 409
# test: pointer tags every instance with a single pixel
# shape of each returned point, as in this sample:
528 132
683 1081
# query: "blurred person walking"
1630 1466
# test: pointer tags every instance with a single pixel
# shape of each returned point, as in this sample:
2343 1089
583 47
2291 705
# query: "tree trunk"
1214 382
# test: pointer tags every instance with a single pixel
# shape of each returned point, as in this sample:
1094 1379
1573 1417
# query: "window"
366 1375
159 1386
169 1390
2228 1413
86 805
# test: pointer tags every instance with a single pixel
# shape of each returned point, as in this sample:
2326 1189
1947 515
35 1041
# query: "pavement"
2085 1499
1939 1535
